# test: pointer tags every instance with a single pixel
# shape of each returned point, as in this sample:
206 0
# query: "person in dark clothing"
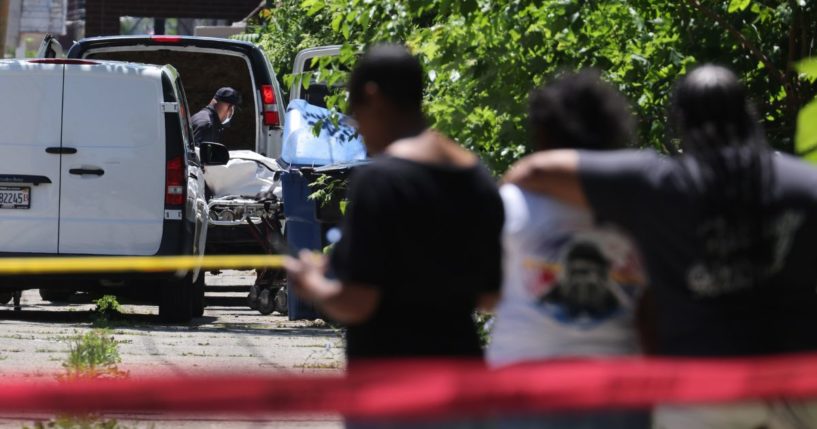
209 123
421 238
727 229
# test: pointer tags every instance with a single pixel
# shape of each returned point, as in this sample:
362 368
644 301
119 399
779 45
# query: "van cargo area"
202 74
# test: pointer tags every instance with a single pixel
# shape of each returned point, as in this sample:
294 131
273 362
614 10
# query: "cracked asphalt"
230 337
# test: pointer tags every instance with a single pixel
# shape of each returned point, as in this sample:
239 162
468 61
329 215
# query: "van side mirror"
213 153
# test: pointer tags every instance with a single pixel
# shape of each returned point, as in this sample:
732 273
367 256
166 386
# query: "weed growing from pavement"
107 310
78 423
92 355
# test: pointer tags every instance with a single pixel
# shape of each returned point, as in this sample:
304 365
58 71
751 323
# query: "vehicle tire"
198 296
252 297
56 295
281 305
5 297
266 302
176 300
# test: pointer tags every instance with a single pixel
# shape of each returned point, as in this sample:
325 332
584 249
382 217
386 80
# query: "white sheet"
247 173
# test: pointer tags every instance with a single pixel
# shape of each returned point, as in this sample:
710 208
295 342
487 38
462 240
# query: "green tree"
484 56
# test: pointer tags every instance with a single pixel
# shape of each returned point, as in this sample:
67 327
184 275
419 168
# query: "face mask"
228 118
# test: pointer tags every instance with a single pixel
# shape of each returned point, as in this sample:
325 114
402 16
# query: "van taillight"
271 117
174 194
267 94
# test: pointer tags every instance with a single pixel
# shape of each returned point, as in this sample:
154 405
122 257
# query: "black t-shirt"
428 237
659 200
206 126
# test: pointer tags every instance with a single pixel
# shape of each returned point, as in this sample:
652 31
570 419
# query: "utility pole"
4 19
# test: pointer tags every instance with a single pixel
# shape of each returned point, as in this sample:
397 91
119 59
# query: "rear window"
203 74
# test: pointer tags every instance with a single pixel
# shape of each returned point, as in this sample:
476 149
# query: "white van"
96 158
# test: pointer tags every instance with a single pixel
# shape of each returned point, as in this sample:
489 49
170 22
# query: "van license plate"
15 197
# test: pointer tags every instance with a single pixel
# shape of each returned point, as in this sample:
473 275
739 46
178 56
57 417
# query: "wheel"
281 301
56 295
266 302
5 297
176 302
252 297
198 296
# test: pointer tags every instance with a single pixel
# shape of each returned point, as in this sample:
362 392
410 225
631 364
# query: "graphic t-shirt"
703 306
428 238
570 288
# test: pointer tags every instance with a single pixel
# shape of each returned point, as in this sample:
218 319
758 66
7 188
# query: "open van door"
50 48
317 91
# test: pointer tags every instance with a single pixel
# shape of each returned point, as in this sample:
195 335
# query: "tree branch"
776 72
746 43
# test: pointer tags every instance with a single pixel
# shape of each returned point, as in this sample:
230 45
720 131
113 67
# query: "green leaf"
805 142
738 5
808 67
313 6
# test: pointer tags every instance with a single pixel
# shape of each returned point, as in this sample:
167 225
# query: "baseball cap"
228 95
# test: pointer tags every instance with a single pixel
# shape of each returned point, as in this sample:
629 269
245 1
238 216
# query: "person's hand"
306 277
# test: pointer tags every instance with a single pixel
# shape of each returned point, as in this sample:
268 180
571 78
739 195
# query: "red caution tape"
436 389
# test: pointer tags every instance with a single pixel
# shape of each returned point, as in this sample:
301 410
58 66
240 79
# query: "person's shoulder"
202 117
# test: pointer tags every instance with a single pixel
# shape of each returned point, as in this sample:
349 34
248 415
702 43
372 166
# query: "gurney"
246 216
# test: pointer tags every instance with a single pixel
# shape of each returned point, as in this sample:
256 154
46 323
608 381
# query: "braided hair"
730 164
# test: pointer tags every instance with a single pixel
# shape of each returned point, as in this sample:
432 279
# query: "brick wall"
102 16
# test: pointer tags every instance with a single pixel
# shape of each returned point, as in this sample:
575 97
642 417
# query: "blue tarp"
336 144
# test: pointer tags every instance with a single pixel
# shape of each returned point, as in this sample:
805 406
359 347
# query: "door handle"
61 150
84 171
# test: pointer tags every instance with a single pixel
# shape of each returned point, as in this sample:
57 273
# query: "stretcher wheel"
252 297
266 302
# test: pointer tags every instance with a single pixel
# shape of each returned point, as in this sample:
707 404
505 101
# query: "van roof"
43 61
168 41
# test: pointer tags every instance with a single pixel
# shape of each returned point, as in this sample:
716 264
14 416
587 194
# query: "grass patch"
107 311
94 354
88 422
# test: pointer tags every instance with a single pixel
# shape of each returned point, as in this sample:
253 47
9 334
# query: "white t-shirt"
569 288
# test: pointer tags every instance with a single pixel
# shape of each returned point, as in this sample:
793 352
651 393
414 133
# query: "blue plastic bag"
336 144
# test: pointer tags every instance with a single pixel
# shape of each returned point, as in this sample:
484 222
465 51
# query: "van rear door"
30 147
113 187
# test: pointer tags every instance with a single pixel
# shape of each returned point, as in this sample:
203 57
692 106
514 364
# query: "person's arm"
347 303
554 173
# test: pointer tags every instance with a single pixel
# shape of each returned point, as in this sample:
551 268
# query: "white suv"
96 158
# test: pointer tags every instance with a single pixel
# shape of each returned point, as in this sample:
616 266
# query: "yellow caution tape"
118 264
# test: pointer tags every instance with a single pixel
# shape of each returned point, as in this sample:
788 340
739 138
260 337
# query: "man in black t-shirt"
420 246
727 229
